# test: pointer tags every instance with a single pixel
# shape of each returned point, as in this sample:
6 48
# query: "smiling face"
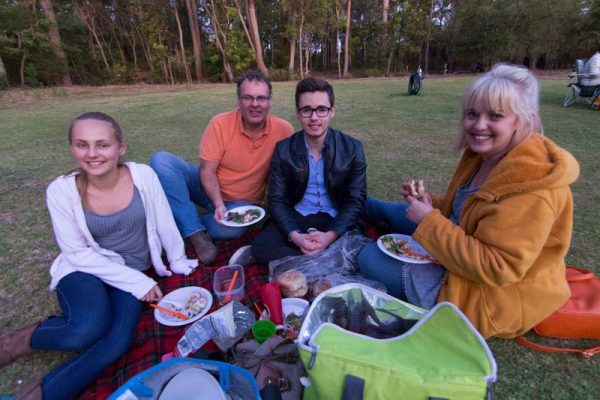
255 102
95 147
490 133
314 126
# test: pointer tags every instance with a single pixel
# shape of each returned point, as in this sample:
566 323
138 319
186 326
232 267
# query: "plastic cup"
263 330
222 283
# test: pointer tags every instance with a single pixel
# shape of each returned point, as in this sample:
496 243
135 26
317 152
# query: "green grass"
403 137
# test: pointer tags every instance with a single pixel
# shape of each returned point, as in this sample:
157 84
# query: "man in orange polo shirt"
235 153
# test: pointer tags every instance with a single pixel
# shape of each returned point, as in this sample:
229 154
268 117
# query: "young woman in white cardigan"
111 221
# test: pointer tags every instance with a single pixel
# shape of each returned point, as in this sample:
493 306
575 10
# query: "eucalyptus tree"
347 38
3 76
55 40
194 27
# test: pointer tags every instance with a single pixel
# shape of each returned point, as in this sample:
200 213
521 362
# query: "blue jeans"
391 213
98 321
181 182
418 284
271 244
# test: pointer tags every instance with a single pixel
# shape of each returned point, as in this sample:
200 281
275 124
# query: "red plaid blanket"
153 340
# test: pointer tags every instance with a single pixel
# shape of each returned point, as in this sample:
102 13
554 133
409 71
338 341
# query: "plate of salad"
243 216
404 248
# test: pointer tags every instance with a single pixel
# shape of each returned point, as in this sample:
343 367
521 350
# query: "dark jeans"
98 321
271 244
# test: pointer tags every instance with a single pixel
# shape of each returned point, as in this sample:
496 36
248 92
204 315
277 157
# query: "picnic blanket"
152 340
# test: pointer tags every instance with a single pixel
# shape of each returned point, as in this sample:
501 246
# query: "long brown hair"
81 179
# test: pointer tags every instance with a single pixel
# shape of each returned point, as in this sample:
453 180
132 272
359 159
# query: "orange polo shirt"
243 162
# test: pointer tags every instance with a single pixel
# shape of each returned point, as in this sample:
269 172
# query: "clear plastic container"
228 283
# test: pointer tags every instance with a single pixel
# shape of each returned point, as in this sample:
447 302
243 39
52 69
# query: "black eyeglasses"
259 99
307 112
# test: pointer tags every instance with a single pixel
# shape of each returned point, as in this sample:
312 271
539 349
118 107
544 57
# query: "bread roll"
292 283
320 286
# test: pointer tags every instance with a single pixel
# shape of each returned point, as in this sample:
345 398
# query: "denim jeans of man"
181 182
271 244
98 322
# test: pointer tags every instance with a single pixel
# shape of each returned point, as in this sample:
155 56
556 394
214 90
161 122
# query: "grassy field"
403 137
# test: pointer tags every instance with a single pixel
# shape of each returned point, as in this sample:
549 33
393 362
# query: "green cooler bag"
435 354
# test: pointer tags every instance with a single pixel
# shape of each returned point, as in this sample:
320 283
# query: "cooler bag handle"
353 388
582 353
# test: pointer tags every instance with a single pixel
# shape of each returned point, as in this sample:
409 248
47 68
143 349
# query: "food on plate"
192 307
401 247
416 188
243 217
320 286
292 283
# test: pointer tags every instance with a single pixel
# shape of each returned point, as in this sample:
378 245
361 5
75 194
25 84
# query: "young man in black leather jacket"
317 186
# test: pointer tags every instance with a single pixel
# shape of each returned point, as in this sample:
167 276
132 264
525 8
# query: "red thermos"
271 297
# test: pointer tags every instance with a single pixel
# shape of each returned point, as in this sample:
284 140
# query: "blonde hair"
81 179
507 88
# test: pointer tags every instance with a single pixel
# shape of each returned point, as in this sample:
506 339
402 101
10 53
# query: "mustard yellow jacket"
505 259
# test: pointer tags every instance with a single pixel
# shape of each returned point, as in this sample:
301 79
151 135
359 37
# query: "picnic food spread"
243 217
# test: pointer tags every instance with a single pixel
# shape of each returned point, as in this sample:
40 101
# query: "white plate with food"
293 309
191 301
404 248
243 216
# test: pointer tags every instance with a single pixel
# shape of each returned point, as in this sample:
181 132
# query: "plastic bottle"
225 326
271 297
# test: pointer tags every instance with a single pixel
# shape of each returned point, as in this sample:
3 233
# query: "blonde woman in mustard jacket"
503 228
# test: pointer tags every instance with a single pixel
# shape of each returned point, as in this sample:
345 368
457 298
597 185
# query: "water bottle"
230 326
225 326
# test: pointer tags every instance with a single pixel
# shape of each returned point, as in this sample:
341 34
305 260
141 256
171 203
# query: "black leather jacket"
345 178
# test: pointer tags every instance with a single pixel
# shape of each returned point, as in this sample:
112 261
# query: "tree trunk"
55 41
243 22
300 45
386 9
3 76
292 57
389 63
196 40
306 57
253 22
337 38
218 33
88 21
347 39
385 39
429 24
188 75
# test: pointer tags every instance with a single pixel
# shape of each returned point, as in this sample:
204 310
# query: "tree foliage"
173 41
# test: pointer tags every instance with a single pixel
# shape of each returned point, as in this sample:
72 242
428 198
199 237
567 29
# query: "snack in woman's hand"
292 283
416 188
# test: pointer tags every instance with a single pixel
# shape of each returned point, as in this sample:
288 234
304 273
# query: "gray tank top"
123 232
